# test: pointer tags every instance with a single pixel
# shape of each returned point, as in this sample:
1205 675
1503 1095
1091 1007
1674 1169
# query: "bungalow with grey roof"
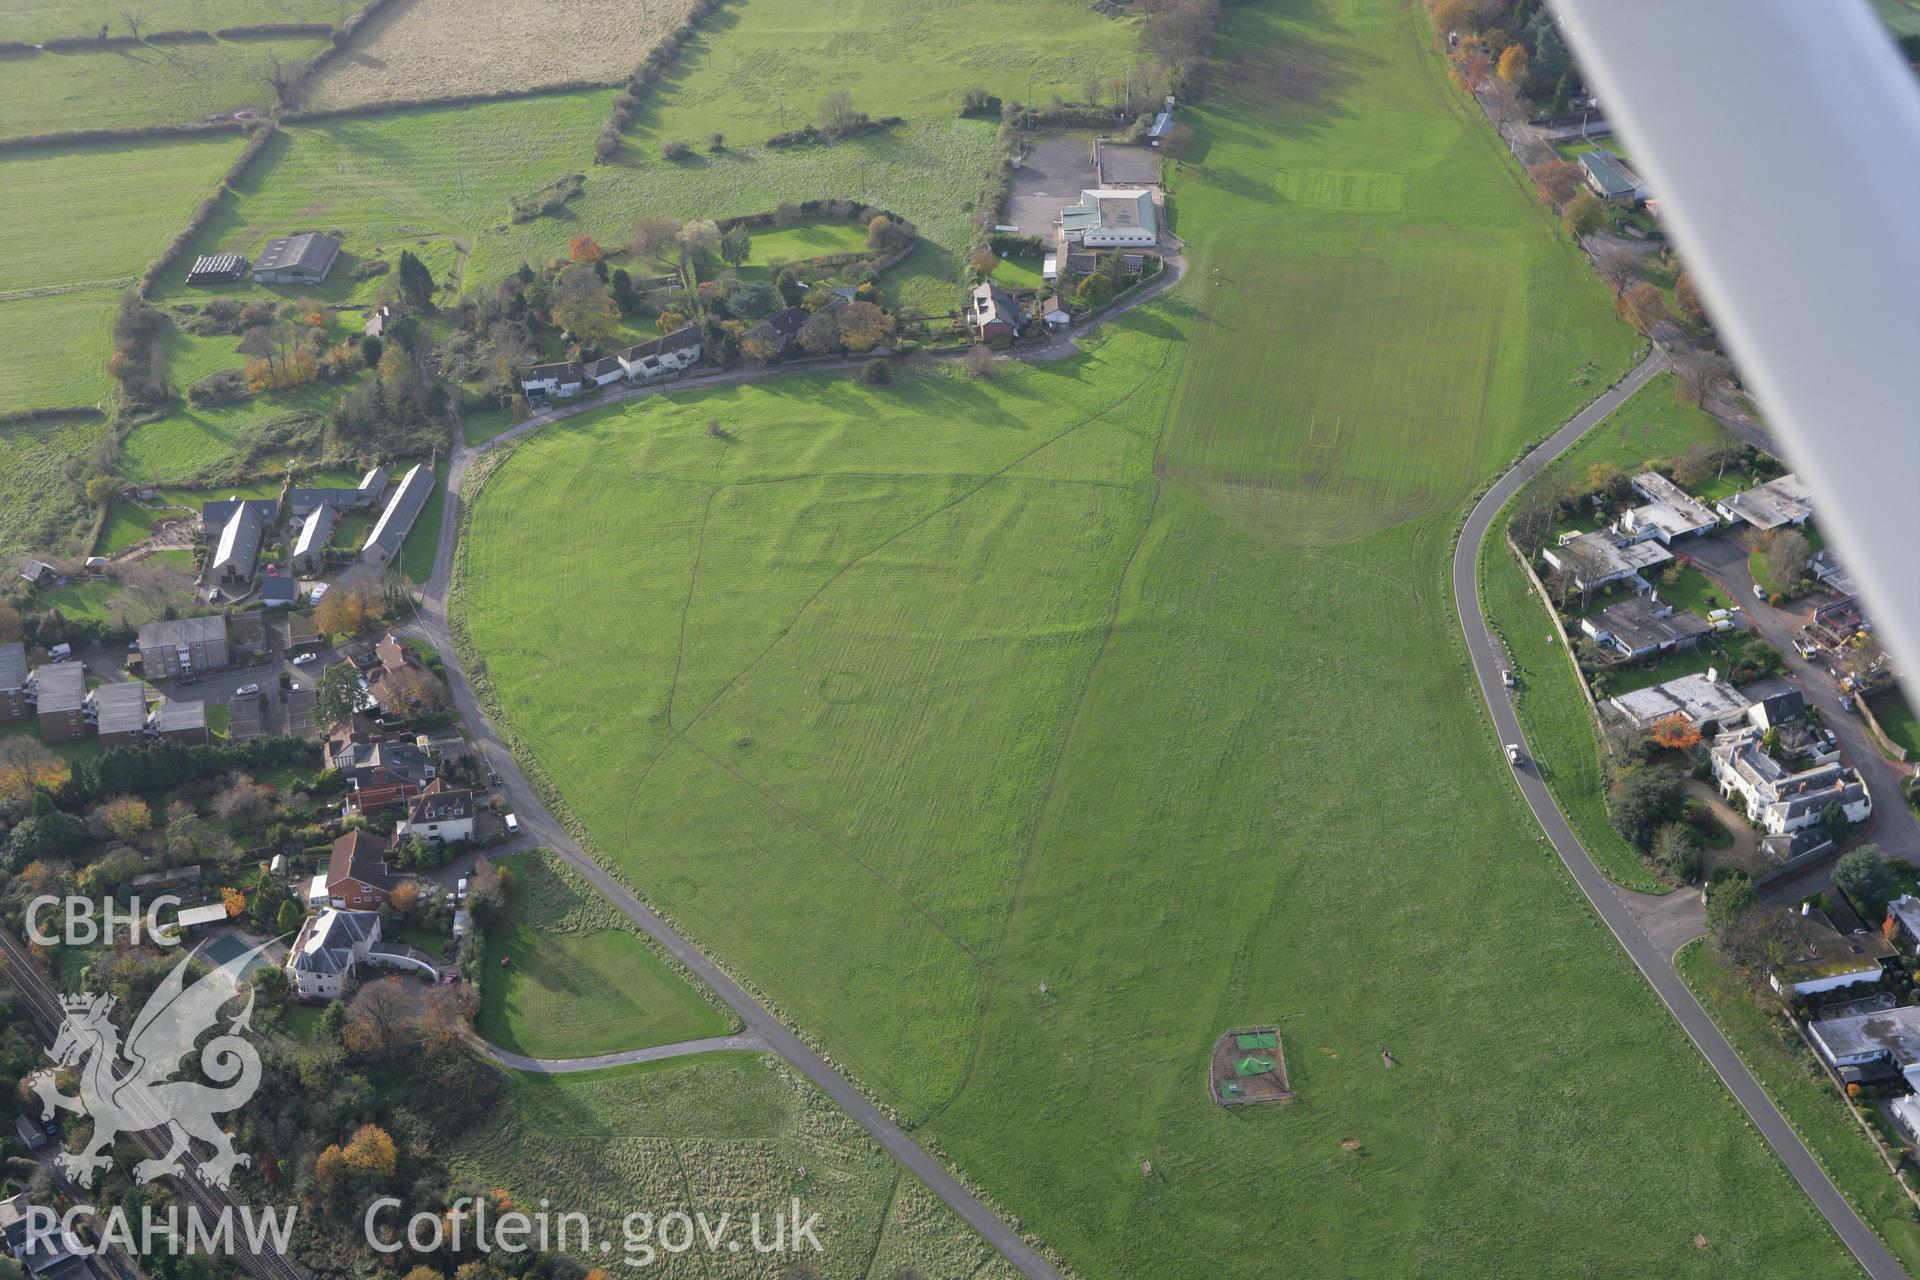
1786 500
1598 558
1704 700
1670 512
1643 626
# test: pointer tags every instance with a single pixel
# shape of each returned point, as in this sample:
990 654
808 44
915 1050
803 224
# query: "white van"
460 890
513 825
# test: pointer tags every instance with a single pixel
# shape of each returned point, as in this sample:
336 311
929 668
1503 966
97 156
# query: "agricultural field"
39 506
77 326
577 979
403 51
1006 733
206 444
720 1133
109 88
33 21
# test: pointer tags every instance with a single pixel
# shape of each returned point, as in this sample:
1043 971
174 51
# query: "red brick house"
357 875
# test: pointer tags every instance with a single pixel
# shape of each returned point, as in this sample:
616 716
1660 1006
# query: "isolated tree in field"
1675 732
716 142
736 244
1697 373
1513 64
582 306
700 239
1618 265
585 248
979 362
1643 308
653 237
1866 878
1786 557
1676 851
837 113
1558 180
888 235
1686 298
876 372
1583 214
416 282
821 333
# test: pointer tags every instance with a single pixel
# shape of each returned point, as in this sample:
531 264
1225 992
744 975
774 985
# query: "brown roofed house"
357 875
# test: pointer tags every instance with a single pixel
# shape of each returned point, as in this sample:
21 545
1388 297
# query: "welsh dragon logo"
131 1089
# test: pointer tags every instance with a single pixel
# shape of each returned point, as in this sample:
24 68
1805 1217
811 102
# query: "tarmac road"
1654 961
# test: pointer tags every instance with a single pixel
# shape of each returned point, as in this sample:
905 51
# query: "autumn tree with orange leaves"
1676 732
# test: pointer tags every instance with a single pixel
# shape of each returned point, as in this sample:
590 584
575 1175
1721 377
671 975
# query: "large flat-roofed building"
1111 218
1669 513
1595 559
390 533
1642 626
1704 700
60 699
120 714
1770 505
13 682
1874 1045
299 259
184 646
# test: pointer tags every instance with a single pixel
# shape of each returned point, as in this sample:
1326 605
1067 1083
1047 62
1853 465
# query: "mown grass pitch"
1016 737
569 978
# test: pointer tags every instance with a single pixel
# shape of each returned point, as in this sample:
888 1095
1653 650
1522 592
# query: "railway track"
215 1204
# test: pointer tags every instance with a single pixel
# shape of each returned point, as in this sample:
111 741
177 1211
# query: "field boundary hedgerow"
639 82
479 681
207 208
125 133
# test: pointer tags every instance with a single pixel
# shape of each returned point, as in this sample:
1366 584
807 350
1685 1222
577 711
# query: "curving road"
1654 960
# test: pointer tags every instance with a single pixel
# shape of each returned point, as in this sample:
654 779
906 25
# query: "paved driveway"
1052 176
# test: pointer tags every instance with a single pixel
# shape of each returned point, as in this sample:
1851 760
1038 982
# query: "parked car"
247 691
460 890
305 658
513 825
1506 678
1759 592
317 594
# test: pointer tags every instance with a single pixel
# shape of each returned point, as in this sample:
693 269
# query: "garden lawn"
1017 738
802 240
1895 714
1019 273
568 977
40 508
56 91
477 426
725 1136
1786 1068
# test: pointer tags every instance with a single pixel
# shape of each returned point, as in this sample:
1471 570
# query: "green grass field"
1897 721
1782 1063
36 20
39 506
1019 737
79 326
146 84
580 981
720 1133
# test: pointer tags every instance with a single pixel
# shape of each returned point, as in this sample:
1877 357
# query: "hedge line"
814 136
25 417
126 133
607 145
388 105
341 36
832 207
276 29
176 246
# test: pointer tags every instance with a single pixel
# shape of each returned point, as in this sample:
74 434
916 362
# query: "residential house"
38 573
560 380
1111 218
992 314
1704 700
183 647
1776 705
120 713
604 370
1054 314
357 873
1598 558
1669 514
782 326
279 591
181 721
673 352
217 268
1824 959
1777 799
373 486
390 531
238 551
1611 178
44 1248
305 258
1879 1044
382 771
13 682
328 951
1769 506
309 549
1903 920
378 318
1642 627
439 813
59 693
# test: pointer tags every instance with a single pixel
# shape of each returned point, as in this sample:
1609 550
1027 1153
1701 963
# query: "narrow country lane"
1654 960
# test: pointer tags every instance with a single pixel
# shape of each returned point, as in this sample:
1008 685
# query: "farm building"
238 551
301 259
1669 513
60 700
1642 627
677 350
373 485
378 318
1610 177
181 721
184 646
1111 218
561 380
120 714
37 573
218 268
214 515
1705 700
315 532
13 681
1054 314
1770 505
992 313
390 533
